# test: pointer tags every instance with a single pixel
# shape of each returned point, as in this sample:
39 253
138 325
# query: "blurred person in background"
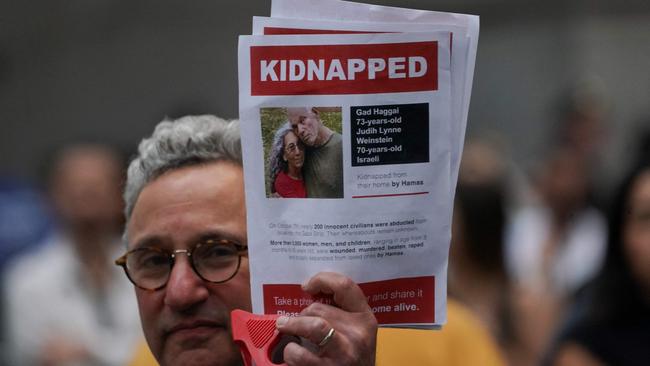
556 244
25 221
557 241
610 325
477 274
553 248
65 303
25 218
582 115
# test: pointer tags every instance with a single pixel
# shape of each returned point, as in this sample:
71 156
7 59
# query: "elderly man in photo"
323 167
187 256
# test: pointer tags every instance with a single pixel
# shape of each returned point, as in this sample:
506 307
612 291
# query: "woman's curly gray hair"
277 163
189 140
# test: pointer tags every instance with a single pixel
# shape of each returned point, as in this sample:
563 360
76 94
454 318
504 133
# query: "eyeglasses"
292 148
213 260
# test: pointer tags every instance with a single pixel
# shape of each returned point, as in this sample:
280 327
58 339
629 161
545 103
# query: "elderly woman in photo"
286 159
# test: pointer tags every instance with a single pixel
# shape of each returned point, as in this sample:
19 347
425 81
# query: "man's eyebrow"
148 241
220 235
202 236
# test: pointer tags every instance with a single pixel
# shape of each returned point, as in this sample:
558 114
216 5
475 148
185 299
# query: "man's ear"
314 110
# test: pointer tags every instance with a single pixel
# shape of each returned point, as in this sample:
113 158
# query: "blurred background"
111 69
559 111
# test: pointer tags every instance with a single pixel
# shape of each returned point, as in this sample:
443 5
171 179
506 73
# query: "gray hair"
276 160
174 144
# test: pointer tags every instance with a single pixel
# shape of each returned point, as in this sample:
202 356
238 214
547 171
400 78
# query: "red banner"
398 301
344 69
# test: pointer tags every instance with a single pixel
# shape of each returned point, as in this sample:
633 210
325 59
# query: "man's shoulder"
336 137
334 142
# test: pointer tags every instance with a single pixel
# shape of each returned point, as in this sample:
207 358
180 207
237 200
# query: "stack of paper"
353 121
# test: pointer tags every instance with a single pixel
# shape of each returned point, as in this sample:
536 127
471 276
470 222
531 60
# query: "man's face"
188 321
305 123
86 188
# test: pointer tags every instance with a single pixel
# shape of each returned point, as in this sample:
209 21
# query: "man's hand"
354 338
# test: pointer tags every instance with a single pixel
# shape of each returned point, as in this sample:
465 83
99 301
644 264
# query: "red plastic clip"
256 336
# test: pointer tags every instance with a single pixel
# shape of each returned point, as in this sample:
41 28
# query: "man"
323 168
65 303
187 256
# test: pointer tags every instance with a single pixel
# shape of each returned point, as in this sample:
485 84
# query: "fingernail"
281 321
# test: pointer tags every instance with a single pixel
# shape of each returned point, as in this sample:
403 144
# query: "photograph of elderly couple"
303 152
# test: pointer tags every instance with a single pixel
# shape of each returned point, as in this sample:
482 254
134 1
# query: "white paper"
337 10
400 266
459 65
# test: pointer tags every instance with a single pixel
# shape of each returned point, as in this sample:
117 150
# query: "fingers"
354 335
337 351
312 328
295 355
346 294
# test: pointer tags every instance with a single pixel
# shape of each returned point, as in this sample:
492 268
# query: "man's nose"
184 288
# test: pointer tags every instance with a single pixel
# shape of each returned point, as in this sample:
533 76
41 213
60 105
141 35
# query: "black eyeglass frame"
241 250
296 146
